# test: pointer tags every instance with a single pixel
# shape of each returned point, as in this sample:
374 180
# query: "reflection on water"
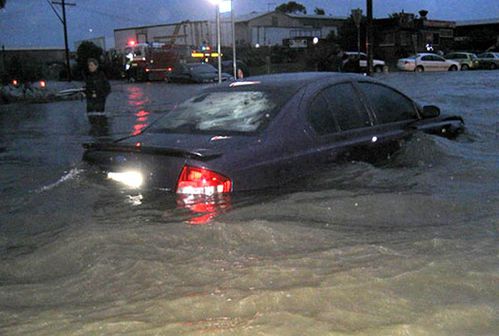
137 99
204 209
141 122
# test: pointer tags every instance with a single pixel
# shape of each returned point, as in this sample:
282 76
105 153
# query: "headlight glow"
132 179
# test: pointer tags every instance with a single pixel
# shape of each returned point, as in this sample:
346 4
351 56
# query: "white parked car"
378 65
427 62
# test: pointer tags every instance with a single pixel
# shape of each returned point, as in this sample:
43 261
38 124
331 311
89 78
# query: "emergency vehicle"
152 61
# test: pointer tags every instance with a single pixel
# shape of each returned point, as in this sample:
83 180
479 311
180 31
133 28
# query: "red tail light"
200 181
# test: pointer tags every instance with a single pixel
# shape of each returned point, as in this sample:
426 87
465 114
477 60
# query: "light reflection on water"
138 100
407 248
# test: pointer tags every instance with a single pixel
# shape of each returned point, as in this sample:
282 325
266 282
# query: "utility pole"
370 37
63 4
219 45
233 23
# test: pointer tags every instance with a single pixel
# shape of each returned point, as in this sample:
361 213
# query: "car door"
392 112
440 63
427 62
341 122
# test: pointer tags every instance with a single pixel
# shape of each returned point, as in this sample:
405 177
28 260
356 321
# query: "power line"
114 16
63 4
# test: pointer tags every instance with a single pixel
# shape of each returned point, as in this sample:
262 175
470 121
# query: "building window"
436 38
141 38
446 33
388 39
405 38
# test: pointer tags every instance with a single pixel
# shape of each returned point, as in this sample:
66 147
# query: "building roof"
477 22
250 16
315 17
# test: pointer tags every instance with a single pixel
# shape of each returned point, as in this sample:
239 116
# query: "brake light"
200 181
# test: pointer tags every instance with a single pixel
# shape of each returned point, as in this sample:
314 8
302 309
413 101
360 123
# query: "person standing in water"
97 88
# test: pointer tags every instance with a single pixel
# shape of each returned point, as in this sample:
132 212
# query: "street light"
219 48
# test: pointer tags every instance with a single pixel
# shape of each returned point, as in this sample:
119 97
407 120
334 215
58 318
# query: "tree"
291 7
319 11
347 38
2 3
85 51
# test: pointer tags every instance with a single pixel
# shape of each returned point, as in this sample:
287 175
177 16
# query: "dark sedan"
195 72
265 132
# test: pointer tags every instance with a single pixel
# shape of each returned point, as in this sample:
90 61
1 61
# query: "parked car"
489 60
265 132
195 72
378 65
466 60
427 62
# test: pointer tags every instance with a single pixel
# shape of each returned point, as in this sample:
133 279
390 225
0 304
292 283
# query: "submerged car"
427 62
265 132
195 73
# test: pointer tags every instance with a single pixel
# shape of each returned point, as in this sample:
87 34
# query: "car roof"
354 53
460 52
427 54
294 80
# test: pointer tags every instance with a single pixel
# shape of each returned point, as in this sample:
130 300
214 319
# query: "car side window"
388 104
345 104
426 58
320 116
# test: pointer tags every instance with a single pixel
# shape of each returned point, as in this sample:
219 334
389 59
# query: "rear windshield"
222 111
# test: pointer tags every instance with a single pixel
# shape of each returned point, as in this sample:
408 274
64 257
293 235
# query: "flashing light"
201 181
169 69
131 43
132 179
43 84
15 82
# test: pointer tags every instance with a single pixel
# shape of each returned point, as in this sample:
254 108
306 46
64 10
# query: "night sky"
32 23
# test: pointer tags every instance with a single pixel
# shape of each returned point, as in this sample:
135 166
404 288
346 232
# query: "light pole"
234 63
219 47
357 18
370 37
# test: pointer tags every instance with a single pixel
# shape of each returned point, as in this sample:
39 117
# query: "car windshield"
221 111
202 68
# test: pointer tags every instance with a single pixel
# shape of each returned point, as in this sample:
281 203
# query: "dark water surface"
408 248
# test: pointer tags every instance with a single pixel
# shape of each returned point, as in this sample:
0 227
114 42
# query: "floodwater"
407 248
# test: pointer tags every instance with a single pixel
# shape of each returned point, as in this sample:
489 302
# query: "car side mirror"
430 111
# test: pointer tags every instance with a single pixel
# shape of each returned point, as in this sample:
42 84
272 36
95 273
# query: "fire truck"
152 61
